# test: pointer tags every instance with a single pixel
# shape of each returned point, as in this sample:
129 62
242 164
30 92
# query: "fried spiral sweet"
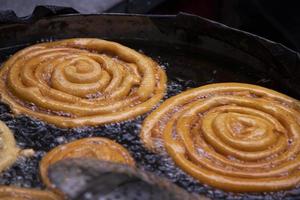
8 149
94 147
236 137
14 193
79 82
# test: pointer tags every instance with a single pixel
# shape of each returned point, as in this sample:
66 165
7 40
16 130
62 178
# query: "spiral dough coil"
16 193
94 147
236 137
9 151
81 82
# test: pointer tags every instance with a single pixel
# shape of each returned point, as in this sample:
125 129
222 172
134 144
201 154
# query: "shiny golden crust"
95 147
236 137
81 82
15 193
8 149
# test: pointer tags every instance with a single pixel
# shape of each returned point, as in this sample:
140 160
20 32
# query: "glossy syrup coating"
233 136
96 147
15 193
8 150
81 82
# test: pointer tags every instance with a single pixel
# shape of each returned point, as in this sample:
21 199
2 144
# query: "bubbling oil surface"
42 137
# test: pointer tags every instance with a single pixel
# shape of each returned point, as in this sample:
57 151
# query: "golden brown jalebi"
8 149
236 137
79 82
15 193
95 147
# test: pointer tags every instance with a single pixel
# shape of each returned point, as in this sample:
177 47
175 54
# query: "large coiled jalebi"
236 137
78 82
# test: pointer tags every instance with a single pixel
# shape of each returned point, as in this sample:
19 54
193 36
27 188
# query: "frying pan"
193 50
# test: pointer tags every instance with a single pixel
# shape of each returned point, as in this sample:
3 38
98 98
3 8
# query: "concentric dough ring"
8 150
15 193
233 136
81 82
94 147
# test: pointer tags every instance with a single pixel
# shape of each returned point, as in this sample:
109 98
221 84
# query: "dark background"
276 20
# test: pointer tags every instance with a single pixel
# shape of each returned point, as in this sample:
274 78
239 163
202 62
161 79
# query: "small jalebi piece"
81 82
233 136
94 147
15 193
8 149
